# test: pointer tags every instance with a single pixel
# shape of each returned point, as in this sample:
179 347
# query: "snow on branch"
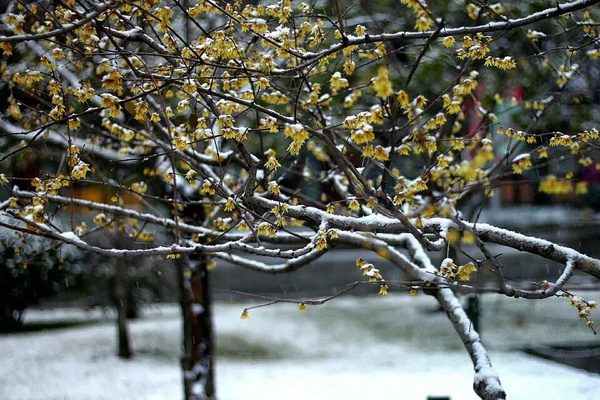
504 25
62 141
288 266
62 30
172 250
529 244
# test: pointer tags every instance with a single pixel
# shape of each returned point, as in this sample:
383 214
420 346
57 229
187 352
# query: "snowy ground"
352 348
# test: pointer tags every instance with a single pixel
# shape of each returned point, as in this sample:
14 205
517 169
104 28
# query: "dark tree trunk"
121 290
121 303
198 359
120 294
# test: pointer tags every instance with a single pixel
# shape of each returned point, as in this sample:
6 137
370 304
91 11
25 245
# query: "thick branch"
540 247
506 25
486 383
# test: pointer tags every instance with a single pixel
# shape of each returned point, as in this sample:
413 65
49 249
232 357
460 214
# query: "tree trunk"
198 345
121 290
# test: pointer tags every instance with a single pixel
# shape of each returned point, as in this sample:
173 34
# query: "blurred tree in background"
31 270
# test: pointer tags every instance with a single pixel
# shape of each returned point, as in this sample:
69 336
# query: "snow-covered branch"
288 266
504 25
66 28
486 383
518 241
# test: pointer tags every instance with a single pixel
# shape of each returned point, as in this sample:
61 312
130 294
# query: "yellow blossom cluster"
450 270
381 84
521 163
475 47
266 229
252 76
336 83
298 134
554 185
501 63
423 17
369 270
584 308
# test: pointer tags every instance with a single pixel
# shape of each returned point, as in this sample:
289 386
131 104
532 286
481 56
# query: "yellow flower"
413 291
266 229
381 153
383 289
225 121
272 163
454 107
281 222
100 219
423 21
229 205
336 83
245 315
581 188
372 203
74 123
139 187
354 205
141 108
207 188
298 134
403 98
6 48
349 67
448 42
360 262
381 84
473 11
464 271
80 170
448 267
553 185
301 308
590 324
368 151
521 163
468 237
180 143
274 187
543 152
321 244
372 272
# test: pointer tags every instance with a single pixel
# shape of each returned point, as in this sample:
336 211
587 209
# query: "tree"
282 130
30 271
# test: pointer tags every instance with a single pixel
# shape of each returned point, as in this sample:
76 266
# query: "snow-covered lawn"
373 347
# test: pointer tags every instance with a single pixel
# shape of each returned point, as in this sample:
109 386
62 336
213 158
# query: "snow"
59 138
296 127
350 348
446 262
521 157
72 237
